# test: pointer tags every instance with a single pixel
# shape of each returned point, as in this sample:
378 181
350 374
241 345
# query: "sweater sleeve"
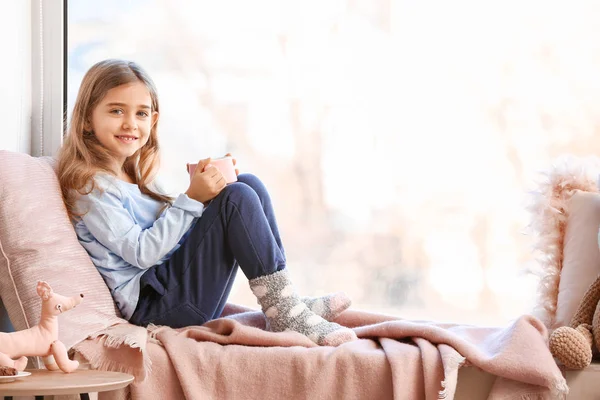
114 227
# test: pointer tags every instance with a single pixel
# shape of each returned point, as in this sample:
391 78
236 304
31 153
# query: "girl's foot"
285 311
328 306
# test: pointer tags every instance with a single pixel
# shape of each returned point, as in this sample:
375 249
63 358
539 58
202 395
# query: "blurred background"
398 138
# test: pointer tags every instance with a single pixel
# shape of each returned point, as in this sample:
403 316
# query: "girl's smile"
127 139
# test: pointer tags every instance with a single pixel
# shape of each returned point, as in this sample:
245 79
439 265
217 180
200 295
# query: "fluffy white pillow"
565 222
581 257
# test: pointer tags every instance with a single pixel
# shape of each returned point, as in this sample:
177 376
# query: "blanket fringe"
560 390
102 364
458 362
116 341
444 392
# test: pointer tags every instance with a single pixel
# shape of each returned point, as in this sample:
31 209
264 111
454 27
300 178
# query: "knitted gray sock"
328 306
284 311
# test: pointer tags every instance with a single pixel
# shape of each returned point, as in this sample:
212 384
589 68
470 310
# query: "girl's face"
123 119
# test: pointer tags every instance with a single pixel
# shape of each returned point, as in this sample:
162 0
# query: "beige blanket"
234 358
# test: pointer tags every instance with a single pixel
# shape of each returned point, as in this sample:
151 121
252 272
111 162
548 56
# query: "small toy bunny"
42 339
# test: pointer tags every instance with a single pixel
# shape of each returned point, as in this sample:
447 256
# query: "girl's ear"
154 118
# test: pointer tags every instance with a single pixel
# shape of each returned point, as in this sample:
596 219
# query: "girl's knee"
249 179
255 183
239 190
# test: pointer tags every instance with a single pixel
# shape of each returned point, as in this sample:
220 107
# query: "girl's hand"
237 171
206 183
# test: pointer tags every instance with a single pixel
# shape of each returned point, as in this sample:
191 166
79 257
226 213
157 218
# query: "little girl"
173 261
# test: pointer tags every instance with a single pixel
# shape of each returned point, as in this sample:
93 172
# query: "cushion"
581 257
38 242
565 222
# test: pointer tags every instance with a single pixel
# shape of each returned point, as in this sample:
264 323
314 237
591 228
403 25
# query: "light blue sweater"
124 234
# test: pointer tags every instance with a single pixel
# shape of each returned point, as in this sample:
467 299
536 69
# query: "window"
398 142
48 76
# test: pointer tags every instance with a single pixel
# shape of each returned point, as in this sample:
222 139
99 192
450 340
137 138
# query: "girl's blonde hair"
82 155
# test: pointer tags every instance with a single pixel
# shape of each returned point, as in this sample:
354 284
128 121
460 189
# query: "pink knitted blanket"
233 357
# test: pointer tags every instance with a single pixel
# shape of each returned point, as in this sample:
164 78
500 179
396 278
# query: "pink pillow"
581 257
565 222
38 242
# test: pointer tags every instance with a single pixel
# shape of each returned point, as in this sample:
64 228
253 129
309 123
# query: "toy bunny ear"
44 290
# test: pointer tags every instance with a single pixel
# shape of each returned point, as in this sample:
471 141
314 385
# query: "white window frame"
49 27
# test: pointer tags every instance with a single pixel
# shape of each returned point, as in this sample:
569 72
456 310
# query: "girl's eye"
143 113
116 111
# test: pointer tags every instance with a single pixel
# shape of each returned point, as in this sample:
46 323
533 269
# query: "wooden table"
42 382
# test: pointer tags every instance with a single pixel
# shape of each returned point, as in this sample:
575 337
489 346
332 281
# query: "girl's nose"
130 124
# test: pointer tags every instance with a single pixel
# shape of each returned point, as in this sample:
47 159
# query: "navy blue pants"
238 228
